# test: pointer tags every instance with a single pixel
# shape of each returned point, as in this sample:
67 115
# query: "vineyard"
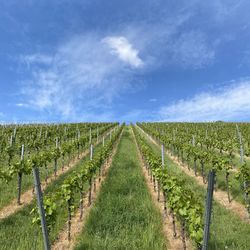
117 186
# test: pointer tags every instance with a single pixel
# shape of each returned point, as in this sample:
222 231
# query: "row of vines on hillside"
43 145
182 202
182 140
71 193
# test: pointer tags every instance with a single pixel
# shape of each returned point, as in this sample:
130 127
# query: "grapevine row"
182 202
208 159
72 188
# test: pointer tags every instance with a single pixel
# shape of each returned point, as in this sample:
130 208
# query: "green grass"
123 216
227 229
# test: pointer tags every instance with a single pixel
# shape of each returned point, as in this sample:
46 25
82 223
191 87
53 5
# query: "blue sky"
78 60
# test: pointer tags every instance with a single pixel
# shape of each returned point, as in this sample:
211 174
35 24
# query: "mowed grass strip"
124 216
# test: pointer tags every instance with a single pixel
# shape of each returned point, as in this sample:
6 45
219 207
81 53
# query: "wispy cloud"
37 58
228 103
80 77
222 10
167 44
84 75
121 47
22 105
191 49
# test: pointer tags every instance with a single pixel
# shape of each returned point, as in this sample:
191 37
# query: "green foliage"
244 176
50 208
5 176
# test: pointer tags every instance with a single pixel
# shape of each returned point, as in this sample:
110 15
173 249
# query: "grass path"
124 216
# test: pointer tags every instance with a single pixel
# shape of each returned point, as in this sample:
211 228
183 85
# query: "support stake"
39 198
208 212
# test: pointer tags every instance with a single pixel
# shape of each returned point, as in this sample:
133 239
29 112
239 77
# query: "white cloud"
37 58
22 105
167 44
80 77
121 47
229 103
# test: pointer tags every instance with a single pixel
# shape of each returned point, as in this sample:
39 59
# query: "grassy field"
123 216
227 230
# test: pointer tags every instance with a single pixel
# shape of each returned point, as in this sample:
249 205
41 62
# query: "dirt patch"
77 225
219 195
27 196
174 243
